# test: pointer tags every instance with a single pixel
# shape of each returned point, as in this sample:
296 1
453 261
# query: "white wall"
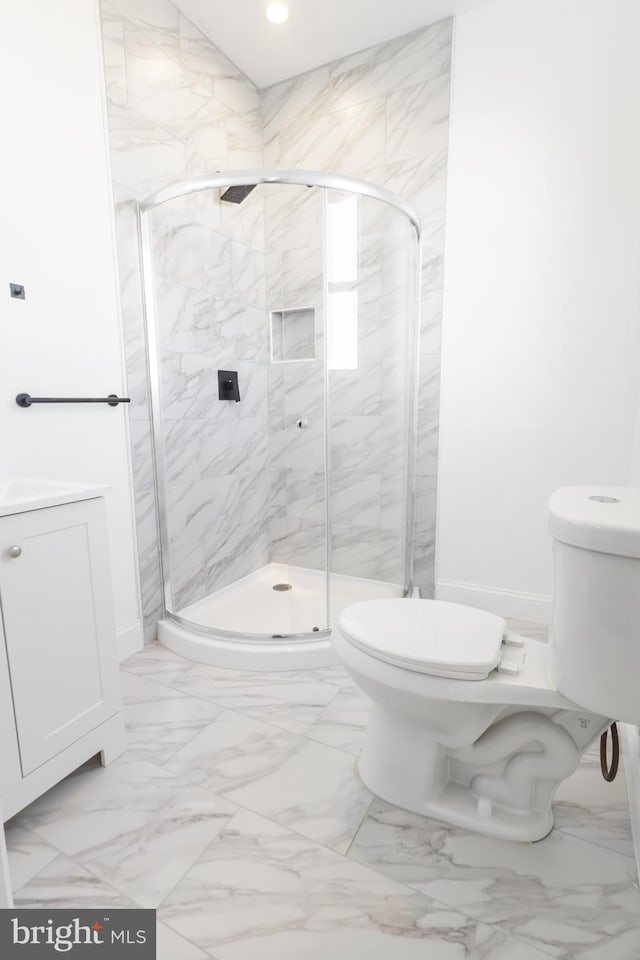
56 238
541 353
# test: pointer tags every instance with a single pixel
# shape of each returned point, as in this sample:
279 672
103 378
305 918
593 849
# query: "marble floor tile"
291 700
330 872
201 679
562 895
132 824
607 826
158 663
233 752
62 793
171 946
335 673
314 790
160 720
587 787
343 722
64 883
27 852
262 891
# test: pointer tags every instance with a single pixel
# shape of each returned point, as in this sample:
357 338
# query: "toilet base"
500 786
458 808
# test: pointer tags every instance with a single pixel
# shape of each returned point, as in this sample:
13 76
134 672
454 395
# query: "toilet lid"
427 636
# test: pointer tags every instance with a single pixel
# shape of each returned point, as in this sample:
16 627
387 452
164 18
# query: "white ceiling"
317 32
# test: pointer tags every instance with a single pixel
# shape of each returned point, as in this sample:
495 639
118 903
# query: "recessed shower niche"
293 334
277 511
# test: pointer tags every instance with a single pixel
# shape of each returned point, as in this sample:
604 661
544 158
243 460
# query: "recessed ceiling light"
277 12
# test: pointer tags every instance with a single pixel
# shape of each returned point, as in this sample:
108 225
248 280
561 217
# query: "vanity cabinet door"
59 627
10 770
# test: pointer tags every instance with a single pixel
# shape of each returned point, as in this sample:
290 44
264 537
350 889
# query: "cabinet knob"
14 552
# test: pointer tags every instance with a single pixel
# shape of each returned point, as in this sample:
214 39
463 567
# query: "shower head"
237 194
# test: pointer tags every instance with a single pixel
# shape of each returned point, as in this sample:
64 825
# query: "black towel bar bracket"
24 400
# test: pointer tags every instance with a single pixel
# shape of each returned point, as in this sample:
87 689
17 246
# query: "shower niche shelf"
293 334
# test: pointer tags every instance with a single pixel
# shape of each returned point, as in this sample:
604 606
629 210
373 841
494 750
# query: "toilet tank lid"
604 519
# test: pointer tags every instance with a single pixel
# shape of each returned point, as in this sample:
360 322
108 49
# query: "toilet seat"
431 637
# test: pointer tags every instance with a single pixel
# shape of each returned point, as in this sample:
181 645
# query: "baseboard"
630 737
130 639
505 603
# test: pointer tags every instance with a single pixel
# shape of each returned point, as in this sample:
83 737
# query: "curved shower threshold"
227 628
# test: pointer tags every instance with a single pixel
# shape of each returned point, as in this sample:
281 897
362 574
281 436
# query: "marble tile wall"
368 406
178 108
246 485
381 115
210 296
295 279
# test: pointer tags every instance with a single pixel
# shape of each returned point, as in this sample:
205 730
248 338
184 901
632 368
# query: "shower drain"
282 586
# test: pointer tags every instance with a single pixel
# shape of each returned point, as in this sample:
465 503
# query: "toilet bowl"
477 726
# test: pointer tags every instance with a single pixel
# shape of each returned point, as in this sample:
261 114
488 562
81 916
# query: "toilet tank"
594 656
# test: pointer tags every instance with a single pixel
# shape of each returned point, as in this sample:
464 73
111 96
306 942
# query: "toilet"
477 726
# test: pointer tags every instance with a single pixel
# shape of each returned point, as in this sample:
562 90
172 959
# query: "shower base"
250 626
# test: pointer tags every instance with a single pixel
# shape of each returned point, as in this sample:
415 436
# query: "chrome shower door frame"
255 177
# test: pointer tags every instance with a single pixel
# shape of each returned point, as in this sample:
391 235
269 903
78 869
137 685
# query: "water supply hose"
609 773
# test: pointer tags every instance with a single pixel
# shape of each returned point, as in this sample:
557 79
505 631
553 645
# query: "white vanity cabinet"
59 685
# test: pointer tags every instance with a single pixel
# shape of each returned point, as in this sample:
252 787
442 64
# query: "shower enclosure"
282 324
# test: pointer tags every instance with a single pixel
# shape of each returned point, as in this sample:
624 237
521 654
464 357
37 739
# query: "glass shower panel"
301 478
295 288
209 298
371 263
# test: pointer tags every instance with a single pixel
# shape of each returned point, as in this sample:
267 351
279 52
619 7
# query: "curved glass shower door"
371 268
281 321
294 266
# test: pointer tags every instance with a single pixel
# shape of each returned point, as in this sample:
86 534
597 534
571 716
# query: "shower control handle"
302 424
15 552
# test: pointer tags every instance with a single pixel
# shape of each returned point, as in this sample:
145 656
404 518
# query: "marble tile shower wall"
216 452
178 108
368 406
382 115
295 279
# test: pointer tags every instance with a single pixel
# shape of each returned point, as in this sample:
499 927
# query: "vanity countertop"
19 494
